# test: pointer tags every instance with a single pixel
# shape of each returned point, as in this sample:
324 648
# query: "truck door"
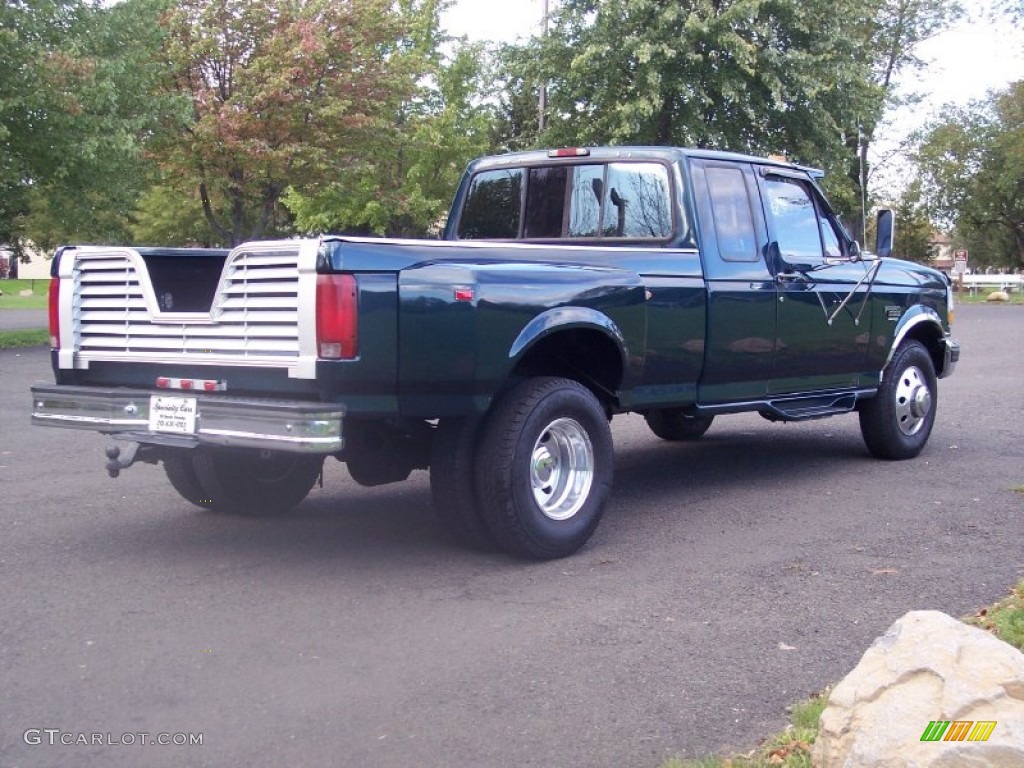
821 343
740 340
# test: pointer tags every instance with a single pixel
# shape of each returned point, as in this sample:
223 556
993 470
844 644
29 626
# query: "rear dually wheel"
544 468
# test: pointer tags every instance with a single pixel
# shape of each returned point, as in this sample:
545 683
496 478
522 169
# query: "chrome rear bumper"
281 425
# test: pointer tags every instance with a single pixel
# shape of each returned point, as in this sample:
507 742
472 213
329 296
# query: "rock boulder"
927 667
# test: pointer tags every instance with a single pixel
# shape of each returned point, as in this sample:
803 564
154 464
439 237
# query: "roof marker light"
569 152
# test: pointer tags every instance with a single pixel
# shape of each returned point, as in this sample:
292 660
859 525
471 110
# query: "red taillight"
569 152
336 317
54 313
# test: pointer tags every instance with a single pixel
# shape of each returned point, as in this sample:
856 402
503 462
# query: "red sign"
960 255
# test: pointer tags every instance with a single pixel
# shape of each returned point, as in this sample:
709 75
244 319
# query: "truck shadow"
346 523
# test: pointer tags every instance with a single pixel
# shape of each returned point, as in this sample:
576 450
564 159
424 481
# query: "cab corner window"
734 222
491 210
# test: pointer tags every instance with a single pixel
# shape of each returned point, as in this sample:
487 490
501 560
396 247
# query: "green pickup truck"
569 286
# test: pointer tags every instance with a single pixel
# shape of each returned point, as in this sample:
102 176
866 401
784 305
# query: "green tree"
403 187
890 33
914 228
74 78
741 74
282 93
972 175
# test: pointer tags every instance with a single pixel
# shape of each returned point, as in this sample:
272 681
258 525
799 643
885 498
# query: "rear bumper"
281 425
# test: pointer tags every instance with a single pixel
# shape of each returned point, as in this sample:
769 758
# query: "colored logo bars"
958 730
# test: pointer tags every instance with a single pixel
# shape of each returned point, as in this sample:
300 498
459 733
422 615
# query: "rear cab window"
615 201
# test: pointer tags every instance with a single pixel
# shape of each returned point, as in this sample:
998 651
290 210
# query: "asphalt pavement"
729 578
22 319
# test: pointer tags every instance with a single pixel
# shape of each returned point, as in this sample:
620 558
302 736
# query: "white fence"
1000 282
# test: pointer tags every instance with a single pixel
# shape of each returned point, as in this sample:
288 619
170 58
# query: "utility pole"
542 107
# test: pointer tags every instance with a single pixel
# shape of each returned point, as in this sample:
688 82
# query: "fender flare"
568 318
912 318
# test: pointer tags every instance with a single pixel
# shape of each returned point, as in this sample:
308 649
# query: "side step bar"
803 409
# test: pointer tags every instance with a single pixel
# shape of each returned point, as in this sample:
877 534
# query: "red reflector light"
186 383
569 152
210 386
464 294
162 382
337 317
54 307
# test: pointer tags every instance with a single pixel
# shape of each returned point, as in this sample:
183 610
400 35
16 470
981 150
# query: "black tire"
544 468
452 482
675 424
897 422
180 471
252 482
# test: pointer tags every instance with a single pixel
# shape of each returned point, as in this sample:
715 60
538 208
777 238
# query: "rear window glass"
629 201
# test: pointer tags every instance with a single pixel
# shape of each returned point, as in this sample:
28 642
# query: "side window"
637 202
795 219
734 222
491 210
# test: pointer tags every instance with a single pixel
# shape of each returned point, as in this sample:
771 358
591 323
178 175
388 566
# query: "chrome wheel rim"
562 469
913 401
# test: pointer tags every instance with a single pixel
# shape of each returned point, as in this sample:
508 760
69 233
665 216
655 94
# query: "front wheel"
254 482
544 468
897 422
675 424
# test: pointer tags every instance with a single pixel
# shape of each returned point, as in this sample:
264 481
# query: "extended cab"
570 286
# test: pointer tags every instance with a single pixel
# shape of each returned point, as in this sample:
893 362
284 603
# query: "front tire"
254 482
544 468
897 422
677 425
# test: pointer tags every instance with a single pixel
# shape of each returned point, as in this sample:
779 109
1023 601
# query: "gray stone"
927 666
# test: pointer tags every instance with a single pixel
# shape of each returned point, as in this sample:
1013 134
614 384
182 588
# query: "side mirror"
856 254
886 232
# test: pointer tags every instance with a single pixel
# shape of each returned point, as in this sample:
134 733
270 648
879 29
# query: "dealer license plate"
172 414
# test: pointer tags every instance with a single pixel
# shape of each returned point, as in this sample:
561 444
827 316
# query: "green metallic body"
688 329
445 326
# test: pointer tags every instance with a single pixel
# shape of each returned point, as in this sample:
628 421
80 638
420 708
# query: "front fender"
924 324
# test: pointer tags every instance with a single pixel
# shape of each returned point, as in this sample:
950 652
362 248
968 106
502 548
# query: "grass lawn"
28 338
981 297
792 747
12 289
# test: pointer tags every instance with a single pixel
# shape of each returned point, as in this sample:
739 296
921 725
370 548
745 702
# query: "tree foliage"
70 78
403 186
282 93
972 173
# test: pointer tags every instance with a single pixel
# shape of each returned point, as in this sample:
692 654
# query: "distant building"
942 251
36 268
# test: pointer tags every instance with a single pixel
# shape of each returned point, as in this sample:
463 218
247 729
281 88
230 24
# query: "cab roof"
605 154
